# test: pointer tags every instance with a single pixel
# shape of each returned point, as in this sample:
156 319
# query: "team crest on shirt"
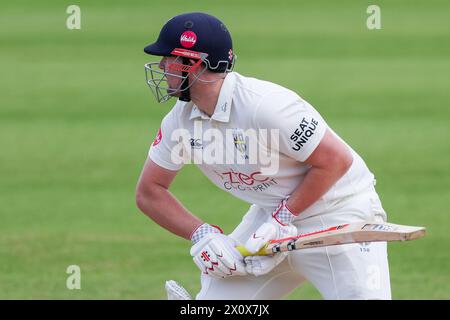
239 143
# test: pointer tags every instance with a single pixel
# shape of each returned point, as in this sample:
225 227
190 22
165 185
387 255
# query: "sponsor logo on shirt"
301 135
196 143
240 181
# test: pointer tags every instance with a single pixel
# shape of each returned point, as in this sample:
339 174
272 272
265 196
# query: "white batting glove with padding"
278 225
259 265
215 253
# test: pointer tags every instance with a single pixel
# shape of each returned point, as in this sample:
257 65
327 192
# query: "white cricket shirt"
223 145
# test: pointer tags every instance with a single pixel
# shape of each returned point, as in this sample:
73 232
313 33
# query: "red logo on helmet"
158 138
188 39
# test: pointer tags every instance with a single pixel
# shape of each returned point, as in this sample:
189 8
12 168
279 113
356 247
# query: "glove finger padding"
229 257
216 255
210 263
266 232
260 237
269 231
259 265
278 225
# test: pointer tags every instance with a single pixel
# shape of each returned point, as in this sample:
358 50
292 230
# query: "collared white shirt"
247 105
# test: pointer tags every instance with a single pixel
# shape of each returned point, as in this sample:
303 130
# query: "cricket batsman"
313 179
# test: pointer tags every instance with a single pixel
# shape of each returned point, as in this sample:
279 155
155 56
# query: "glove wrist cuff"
202 230
283 214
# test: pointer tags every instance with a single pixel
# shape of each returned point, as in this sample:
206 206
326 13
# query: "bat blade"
342 234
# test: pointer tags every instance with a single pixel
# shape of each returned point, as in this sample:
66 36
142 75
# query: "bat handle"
246 253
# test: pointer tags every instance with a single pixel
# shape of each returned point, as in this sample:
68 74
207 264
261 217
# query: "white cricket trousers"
351 271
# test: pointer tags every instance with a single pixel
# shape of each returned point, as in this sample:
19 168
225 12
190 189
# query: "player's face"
173 77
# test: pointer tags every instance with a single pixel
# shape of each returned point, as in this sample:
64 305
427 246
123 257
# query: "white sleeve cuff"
163 163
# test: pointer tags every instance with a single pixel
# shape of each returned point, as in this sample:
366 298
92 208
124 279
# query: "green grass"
76 121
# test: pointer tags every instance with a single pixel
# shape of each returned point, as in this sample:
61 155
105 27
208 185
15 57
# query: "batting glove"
259 265
215 253
277 226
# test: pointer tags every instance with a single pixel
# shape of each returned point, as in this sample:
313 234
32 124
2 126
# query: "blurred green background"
76 122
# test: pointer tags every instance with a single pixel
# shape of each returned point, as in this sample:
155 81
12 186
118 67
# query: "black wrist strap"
185 94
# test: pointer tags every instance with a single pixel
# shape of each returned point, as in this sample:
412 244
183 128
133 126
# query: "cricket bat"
341 234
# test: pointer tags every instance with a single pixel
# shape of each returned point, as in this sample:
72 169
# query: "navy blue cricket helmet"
198 32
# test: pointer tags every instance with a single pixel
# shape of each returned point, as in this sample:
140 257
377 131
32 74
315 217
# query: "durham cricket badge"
239 142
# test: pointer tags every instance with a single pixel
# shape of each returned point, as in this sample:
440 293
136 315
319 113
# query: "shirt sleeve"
163 150
301 127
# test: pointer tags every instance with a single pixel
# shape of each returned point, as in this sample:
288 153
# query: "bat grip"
246 253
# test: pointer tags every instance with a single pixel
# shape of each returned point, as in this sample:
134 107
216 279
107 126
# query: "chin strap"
185 94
